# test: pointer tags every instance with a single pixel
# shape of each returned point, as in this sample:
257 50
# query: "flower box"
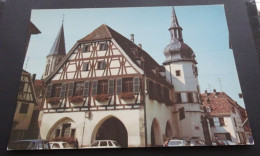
102 97
127 96
76 99
53 101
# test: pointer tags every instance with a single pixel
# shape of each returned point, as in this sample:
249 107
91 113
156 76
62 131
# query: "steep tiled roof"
105 32
219 102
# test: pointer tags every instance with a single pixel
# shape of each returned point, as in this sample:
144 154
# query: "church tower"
181 71
56 53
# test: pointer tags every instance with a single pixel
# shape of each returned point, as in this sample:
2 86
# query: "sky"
204 30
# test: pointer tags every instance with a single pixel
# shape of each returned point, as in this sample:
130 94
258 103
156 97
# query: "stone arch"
111 128
168 130
155 133
57 125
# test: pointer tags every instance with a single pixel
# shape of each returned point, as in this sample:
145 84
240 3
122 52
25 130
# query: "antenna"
209 88
219 80
28 58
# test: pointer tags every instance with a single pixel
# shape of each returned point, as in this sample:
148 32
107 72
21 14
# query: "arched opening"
113 129
64 129
155 133
168 130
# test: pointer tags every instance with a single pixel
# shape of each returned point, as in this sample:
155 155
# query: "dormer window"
86 48
103 46
208 109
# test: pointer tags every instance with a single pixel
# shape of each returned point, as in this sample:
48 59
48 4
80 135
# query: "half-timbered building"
107 87
26 101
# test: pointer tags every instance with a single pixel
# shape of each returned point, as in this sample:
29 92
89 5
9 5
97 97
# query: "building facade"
107 87
224 117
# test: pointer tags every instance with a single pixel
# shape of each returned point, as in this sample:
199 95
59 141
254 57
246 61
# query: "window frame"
178 72
102 87
56 90
127 85
78 88
103 46
181 113
85 66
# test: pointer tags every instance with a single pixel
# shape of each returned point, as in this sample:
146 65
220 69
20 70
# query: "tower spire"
58 47
175 29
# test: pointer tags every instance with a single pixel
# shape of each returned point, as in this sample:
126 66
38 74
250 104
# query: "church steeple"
175 29
58 47
56 53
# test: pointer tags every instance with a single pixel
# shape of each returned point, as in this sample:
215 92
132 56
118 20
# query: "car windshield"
95 143
66 145
175 142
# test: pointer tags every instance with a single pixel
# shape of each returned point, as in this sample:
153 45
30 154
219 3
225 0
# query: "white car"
60 145
104 144
176 142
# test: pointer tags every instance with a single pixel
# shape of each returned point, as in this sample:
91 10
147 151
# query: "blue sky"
204 30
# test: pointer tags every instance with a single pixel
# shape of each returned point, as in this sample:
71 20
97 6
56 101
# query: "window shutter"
86 89
48 93
104 64
63 90
110 87
71 88
136 85
118 86
94 87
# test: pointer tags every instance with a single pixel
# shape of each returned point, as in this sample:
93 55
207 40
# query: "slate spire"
58 47
175 29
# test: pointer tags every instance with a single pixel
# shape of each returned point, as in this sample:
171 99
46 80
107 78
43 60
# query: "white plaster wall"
186 81
130 119
163 114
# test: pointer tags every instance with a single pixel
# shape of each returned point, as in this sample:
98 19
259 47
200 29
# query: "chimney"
33 78
206 92
132 38
140 45
214 90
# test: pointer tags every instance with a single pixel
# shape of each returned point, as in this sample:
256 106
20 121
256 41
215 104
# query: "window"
56 89
216 121
181 113
65 130
103 46
211 122
85 67
47 69
208 109
101 65
178 98
127 85
72 133
189 97
221 121
102 87
178 73
103 143
159 92
78 88
24 108
235 122
86 48
57 133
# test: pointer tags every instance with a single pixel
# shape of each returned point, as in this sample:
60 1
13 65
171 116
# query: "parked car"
176 142
195 142
60 145
104 144
228 142
29 145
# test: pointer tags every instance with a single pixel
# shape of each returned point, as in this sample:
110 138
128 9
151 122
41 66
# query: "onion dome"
177 50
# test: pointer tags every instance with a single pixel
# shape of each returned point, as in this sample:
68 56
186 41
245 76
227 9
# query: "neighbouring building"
107 87
26 100
224 117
